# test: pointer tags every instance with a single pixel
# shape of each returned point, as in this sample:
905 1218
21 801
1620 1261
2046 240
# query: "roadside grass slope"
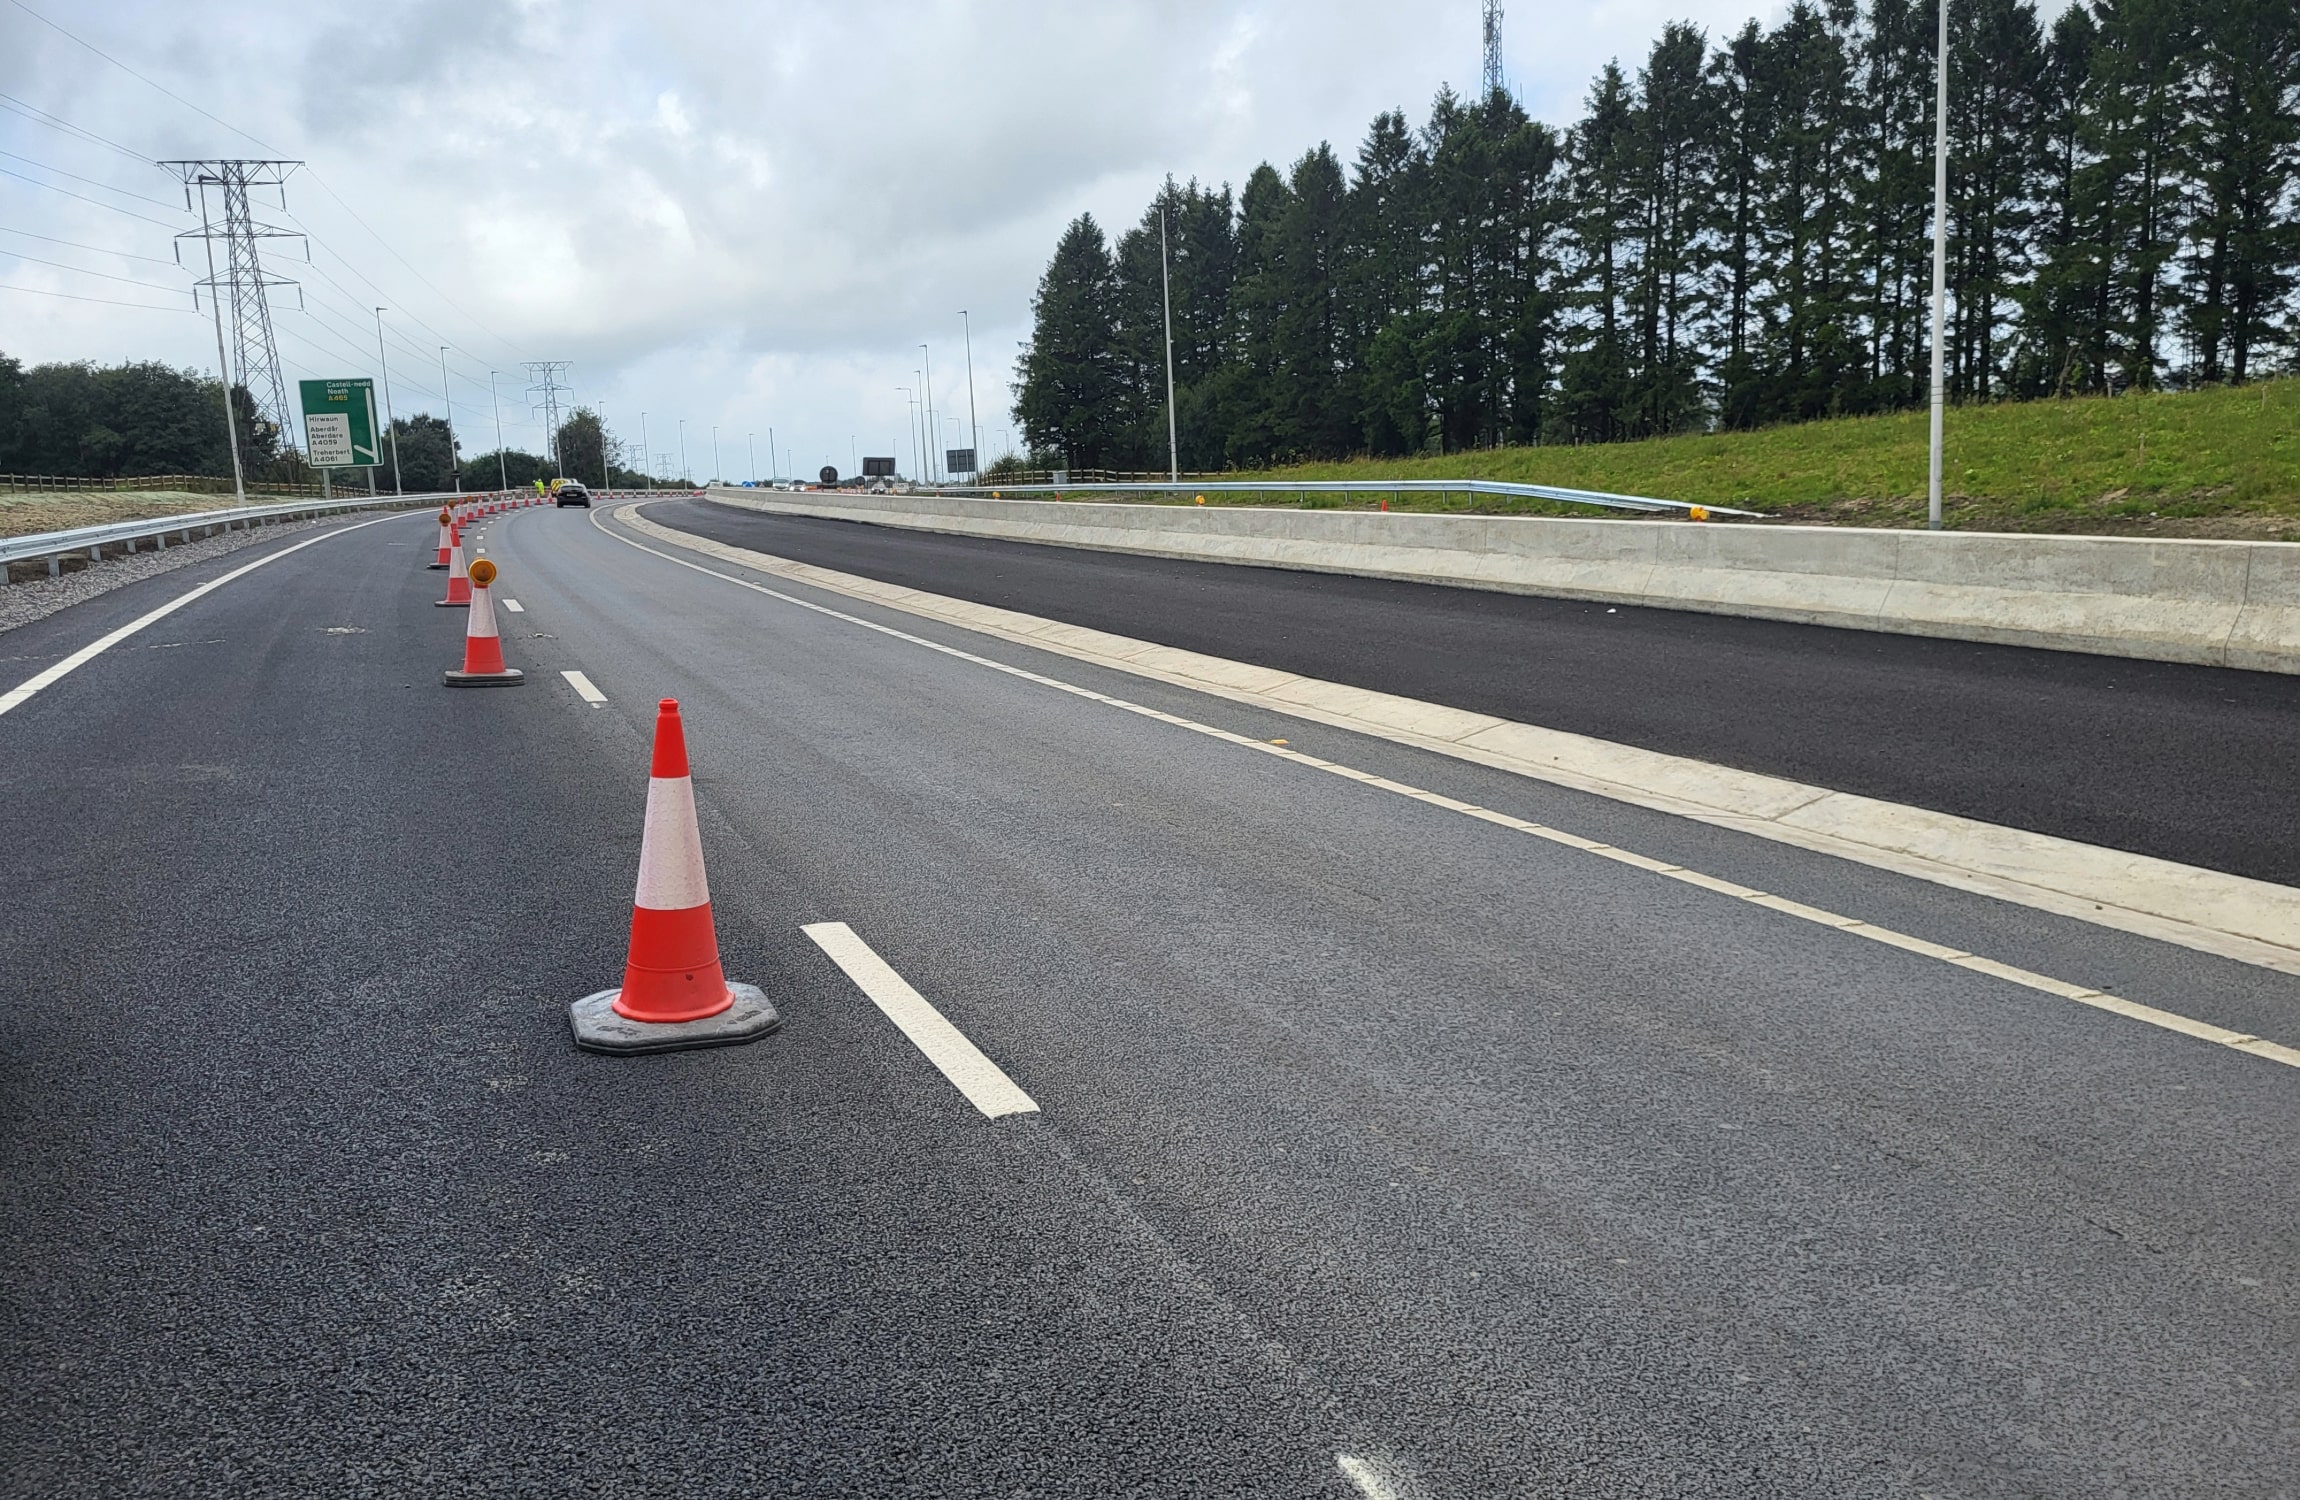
2223 462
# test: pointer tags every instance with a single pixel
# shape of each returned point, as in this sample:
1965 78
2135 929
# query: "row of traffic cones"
675 993
467 588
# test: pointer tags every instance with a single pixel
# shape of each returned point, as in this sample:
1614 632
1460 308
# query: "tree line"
1735 236
139 418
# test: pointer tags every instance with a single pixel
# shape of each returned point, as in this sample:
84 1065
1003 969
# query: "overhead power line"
132 73
75 244
34 260
313 174
39 116
84 198
91 181
36 291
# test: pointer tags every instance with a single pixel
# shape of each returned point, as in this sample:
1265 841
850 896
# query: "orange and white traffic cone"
674 992
482 647
446 536
458 581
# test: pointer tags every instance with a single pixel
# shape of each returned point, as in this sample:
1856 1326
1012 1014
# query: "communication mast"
1493 83
253 353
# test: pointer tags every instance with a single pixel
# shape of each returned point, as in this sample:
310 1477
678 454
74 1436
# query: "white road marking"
2252 921
23 692
1851 926
986 1087
515 606
1368 1479
583 688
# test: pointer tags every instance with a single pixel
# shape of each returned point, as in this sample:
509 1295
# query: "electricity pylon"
546 389
251 352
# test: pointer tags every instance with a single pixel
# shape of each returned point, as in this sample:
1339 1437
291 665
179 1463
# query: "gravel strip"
22 603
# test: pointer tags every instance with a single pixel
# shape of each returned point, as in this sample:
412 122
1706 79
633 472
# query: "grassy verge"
2214 463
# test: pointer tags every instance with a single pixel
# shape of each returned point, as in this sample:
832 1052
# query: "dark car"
572 493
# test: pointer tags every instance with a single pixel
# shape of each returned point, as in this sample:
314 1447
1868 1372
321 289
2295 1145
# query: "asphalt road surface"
1381 1150
2193 764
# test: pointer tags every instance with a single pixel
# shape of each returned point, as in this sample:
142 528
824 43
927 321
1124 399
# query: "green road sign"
339 424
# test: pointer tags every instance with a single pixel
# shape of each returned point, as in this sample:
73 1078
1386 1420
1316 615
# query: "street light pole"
716 476
773 472
751 442
1940 256
389 421
606 471
447 404
918 422
1166 294
973 424
646 455
926 376
910 424
502 467
685 478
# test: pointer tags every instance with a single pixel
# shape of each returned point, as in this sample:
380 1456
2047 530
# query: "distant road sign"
878 468
958 460
828 475
339 428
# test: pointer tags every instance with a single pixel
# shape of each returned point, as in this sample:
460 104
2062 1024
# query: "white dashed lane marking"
985 1085
583 688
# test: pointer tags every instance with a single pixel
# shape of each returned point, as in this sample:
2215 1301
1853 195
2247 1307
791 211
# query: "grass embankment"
2211 463
23 512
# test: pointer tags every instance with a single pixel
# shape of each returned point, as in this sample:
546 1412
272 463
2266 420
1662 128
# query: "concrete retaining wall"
2233 604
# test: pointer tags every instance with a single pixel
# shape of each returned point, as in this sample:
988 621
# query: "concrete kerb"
2211 603
2252 921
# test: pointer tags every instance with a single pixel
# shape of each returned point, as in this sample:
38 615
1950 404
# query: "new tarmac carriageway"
1379 1148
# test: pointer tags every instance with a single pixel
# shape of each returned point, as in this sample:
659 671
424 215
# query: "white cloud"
743 214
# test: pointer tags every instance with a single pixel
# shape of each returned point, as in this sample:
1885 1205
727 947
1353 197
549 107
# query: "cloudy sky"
744 215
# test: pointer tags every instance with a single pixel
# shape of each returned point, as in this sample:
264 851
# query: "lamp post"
926 380
502 467
1166 294
684 477
716 476
973 423
384 360
751 442
447 405
910 421
646 456
1940 256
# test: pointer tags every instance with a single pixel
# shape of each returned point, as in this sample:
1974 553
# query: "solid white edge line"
583 687
1850 926
24 691
985 1085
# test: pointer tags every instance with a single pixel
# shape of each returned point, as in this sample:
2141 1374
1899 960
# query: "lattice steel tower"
253 354
547 388
1493 83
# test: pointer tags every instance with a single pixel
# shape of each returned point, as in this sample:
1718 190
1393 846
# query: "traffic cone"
482 648
674 992
446 536
458 581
